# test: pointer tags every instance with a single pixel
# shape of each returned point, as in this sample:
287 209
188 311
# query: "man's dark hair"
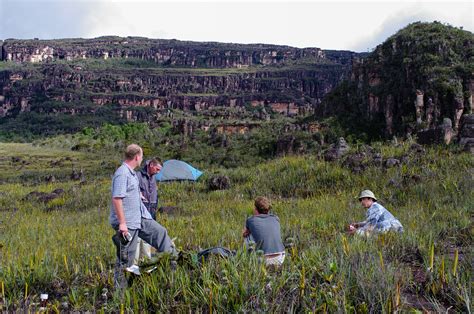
155 161
263 205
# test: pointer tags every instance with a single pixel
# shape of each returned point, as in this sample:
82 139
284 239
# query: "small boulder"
469 146
377 160
410 179
417 148
33 194
47 197
220 182
357 169
405 159
42 196
56 163
356 162
442 134
50 178
337 150
392 162
394 183
77 175
58 191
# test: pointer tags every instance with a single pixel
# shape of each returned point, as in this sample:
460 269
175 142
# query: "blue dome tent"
177 170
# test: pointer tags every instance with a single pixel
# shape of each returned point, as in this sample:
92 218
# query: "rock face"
160 51
442 134
170 90
412 81
466 133
140 76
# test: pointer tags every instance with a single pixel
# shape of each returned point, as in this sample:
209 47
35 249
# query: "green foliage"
64 249
203 148
55 118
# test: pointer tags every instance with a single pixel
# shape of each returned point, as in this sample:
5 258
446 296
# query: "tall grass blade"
455 264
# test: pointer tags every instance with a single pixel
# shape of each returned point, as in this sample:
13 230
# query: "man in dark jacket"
149 195
148 189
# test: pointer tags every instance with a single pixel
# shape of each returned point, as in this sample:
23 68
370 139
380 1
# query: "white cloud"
454 13
349 24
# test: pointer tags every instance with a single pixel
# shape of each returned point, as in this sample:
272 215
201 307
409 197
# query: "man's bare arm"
118 207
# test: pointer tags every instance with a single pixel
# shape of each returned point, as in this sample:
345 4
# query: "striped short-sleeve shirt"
125 185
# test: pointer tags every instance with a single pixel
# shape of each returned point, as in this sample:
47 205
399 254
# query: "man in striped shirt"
130 218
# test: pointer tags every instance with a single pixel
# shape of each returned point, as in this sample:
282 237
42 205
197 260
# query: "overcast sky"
350 25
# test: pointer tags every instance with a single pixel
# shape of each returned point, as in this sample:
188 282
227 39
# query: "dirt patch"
418 302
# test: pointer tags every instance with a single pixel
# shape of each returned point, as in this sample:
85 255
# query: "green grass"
64 248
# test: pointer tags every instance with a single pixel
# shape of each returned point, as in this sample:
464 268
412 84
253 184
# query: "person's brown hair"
263 205
131 151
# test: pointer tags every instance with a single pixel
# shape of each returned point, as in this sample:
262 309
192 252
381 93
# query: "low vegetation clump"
63 246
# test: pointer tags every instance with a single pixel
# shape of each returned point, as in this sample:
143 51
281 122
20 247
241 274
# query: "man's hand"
351 229
245 232
123 228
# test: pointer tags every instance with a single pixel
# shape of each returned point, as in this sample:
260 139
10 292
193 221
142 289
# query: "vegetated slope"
417 77
63 246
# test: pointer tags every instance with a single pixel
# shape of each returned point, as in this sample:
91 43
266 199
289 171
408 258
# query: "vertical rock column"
430 110
388 113
458 111
466 133
419 106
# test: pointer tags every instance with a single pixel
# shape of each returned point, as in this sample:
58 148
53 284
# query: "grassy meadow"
63 246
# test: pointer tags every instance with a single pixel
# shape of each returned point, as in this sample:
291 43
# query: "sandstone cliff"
412 81
161 51
144 78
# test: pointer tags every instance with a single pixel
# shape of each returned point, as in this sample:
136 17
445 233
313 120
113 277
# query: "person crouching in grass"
263 228
378 218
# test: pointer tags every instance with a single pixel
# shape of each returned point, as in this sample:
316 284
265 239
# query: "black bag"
218 251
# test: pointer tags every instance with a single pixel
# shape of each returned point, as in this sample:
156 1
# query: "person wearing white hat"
378 218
